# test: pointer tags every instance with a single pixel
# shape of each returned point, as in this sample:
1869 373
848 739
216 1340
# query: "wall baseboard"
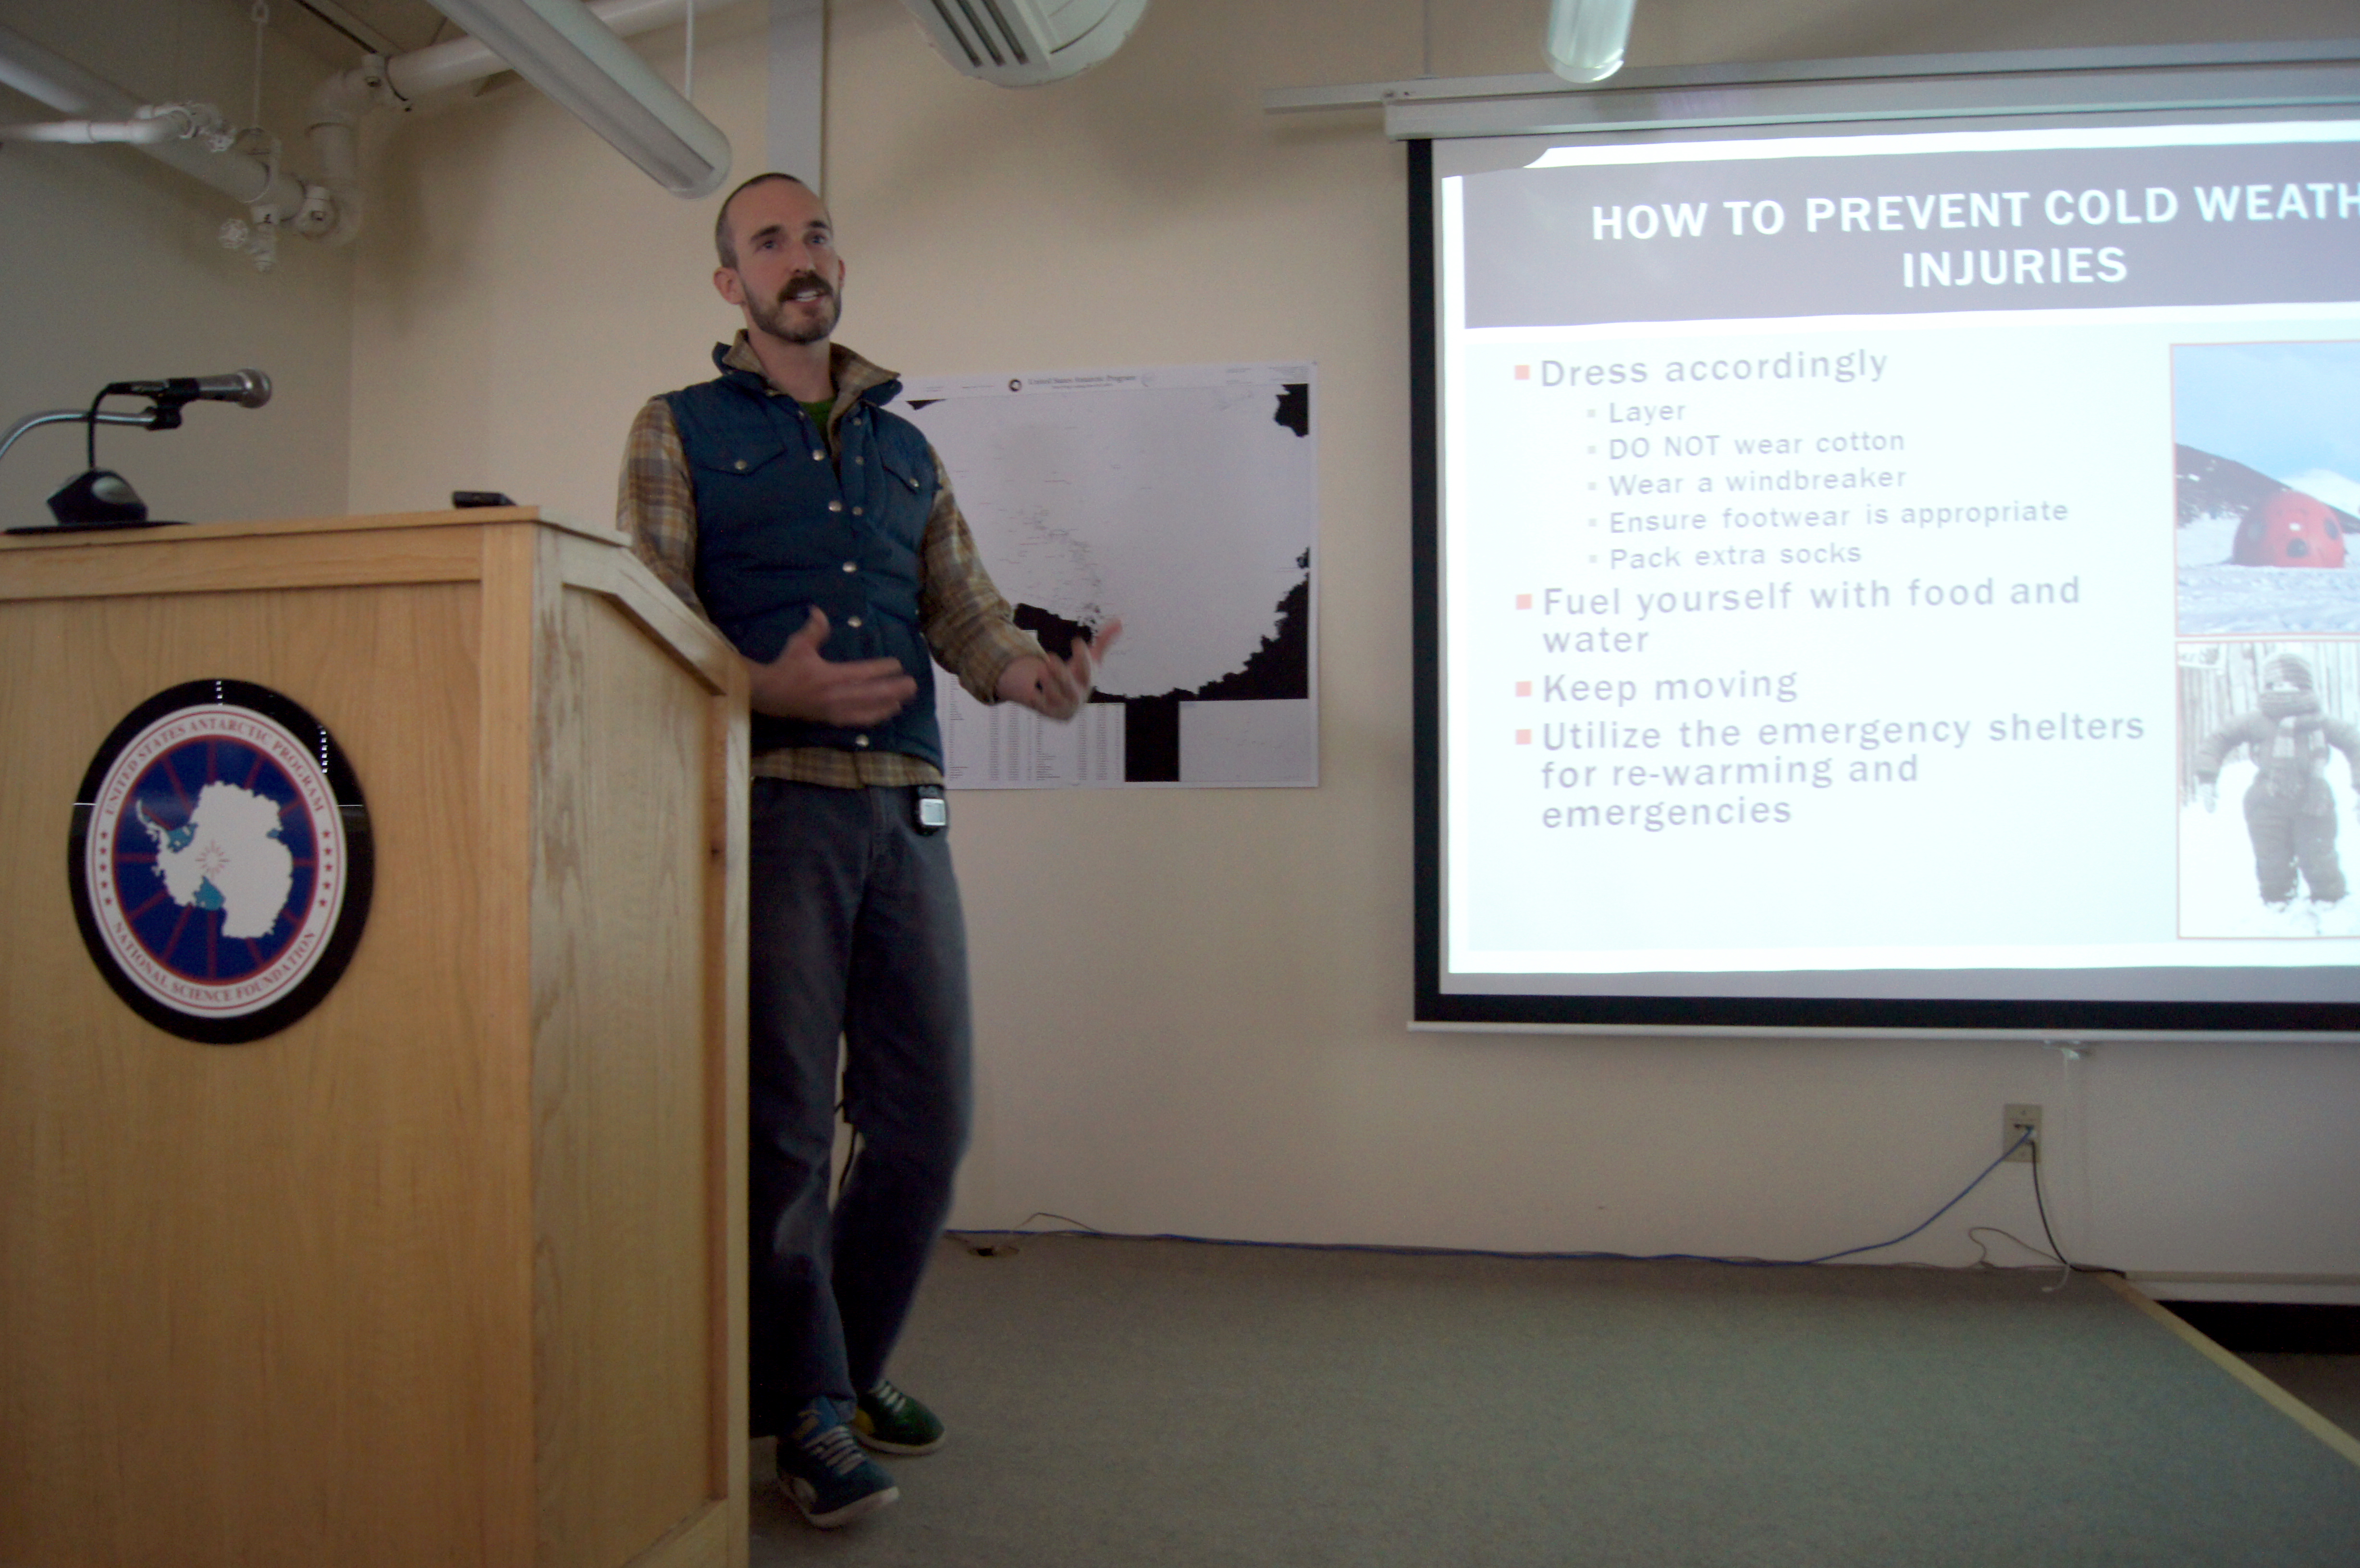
2291 1289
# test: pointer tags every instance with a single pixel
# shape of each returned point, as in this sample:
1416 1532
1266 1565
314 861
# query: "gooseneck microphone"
100 498
247 389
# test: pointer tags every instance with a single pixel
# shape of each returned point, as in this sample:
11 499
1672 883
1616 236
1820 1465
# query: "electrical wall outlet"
2013 1121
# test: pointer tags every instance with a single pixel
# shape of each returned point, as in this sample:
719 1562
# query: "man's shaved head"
725 243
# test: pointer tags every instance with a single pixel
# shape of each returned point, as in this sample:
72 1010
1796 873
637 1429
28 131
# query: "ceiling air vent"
1023 43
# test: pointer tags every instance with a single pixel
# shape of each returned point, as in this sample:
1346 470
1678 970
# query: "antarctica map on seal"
229 855
1181 500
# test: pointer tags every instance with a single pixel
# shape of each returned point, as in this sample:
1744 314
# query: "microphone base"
97 496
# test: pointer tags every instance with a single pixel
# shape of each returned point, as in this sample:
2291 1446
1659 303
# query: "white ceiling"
318 27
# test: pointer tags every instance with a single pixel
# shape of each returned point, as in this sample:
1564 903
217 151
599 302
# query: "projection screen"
1892 574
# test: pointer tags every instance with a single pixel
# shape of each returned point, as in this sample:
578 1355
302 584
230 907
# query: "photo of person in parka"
2289 808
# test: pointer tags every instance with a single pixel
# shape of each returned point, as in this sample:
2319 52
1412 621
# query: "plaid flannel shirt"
963 619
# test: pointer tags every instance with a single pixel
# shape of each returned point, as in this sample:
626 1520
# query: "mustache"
802 280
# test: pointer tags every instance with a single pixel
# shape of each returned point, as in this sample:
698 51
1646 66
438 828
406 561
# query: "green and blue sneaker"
890 1421
824 1472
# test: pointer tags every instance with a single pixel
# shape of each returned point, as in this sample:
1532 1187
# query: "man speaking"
818 531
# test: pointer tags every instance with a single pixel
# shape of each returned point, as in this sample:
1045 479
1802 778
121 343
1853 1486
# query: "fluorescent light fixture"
1586 39
561 48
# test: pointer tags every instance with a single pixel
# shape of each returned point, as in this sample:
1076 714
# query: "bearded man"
818 531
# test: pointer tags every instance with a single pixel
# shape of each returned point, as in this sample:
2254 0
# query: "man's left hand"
1056 688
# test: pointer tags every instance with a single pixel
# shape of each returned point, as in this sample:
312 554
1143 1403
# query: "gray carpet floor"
1137 1403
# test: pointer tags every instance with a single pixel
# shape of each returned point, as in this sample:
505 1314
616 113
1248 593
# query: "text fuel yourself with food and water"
1629 713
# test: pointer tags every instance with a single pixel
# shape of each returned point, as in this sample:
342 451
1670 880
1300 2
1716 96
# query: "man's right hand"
800 684
2208 793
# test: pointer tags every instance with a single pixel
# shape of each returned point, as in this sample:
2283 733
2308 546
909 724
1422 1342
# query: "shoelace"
836 1447
891 1398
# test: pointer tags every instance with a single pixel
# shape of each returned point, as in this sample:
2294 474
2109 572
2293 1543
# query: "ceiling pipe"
158 123
37 74
330 209
69 89
332 129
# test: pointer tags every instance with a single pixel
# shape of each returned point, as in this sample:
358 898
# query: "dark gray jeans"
854 928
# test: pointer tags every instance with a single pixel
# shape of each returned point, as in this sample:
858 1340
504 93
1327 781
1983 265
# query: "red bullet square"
1524 738
1523 373
1524 601
1524 688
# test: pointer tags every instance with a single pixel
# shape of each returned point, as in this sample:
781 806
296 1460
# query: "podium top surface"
469 516
476 544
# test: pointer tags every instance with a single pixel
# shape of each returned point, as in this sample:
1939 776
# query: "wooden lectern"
451 1270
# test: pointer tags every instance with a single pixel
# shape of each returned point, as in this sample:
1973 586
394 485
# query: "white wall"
110 271
1192 1003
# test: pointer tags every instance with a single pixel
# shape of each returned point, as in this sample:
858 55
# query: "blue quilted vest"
781 529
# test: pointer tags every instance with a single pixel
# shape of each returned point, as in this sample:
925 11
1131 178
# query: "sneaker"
890 1421
824 1472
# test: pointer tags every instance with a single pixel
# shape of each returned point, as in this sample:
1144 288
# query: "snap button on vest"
860 740
741 465
836 505
854 622
852 566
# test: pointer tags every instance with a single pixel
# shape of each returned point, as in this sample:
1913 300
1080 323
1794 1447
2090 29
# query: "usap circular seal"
220 861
